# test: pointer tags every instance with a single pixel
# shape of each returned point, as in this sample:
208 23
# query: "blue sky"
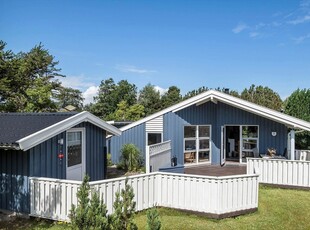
184 43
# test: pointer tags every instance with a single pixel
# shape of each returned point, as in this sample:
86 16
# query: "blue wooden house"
54 145
213 127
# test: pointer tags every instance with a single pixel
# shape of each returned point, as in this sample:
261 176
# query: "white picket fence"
52 198
302 155
280 172
158 156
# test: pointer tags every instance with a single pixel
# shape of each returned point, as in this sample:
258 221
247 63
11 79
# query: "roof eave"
36 138
231 100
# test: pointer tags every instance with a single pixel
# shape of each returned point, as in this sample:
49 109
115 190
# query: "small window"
153 138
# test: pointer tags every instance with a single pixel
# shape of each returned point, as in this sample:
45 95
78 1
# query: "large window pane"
204 131
189 131
74 148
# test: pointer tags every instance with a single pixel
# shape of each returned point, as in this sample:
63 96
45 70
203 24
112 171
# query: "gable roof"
214 96
26 130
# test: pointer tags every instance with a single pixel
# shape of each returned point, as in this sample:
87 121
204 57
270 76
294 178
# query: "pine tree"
78 213
124 209
153 220
89 213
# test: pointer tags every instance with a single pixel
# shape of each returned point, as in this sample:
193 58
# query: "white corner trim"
55 129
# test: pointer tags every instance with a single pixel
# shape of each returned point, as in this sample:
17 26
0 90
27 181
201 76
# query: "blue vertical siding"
135 135
215 115
14 184
173 129
95 143
44 161
221 114
228 115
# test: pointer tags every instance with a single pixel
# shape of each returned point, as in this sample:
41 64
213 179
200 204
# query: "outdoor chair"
189 157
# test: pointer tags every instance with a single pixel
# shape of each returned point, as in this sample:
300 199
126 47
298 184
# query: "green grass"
278 209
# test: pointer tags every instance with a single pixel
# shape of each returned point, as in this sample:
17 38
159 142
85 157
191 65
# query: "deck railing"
280 172
158 156
302 155
52 198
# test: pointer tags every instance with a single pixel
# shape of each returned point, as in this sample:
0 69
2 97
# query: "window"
153 138
74 148
249 140
196 143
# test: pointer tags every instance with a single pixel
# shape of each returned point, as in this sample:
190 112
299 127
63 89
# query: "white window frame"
197 139
83 133
248 139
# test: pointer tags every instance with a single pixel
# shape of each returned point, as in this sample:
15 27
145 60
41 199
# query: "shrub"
153 220
89 213
124 209
130 157
109 159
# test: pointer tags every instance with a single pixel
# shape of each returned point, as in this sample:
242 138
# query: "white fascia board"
36 138
263 111
231 100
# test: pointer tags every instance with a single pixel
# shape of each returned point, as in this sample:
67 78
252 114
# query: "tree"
124 209
171 97
89 213
27 80
263 96
104 103
110 95
153 220
149 97
69 96
298 105
195 92
124 112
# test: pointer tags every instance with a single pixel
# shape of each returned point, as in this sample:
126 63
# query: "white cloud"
160 90
76 82
89 94
301 39
133 69
299 20
253 34
239 28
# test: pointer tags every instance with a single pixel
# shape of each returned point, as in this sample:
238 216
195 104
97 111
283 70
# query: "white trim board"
38 137
215 96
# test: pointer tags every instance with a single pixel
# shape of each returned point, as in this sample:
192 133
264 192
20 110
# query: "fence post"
147 159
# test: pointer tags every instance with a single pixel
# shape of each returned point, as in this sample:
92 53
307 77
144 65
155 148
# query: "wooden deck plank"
216 170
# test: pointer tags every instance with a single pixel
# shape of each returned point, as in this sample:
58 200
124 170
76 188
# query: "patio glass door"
239 142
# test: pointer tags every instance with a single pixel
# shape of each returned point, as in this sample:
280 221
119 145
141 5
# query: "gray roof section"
14 126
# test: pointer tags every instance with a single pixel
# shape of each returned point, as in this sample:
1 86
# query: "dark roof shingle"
15 126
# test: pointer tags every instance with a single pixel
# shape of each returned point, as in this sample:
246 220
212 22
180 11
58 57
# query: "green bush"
130 159
153 220
124 209
89 213
109 159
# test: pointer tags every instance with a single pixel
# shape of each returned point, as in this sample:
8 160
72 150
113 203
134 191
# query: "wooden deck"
216 170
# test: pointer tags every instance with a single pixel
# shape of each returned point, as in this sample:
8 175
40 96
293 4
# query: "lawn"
278 209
